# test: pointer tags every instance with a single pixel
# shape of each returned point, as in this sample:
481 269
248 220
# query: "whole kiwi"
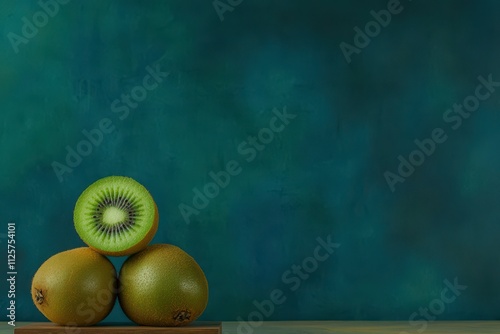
75 288
162 286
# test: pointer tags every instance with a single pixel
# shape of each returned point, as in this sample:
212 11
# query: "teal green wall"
322 175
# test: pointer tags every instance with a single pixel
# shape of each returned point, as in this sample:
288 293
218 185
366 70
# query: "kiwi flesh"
116 216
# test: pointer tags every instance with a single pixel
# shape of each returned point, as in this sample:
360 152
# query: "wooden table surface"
349 327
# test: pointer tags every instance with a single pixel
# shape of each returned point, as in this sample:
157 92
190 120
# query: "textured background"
322 175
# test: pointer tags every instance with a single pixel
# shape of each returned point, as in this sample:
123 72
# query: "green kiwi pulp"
116 215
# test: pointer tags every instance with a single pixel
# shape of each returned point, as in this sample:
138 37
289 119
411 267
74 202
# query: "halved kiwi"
116 216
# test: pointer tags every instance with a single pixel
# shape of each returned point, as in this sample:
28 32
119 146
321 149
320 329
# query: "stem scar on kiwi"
182 316
39 296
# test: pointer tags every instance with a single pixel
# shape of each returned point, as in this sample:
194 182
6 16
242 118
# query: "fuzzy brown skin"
75 287
162 286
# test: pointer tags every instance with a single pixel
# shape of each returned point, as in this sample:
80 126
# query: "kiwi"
116 216
75 288
162 286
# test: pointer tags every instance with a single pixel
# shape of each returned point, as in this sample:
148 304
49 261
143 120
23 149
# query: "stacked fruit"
159 285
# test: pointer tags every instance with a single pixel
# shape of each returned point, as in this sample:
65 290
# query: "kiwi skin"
77 287
140 245
162 286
